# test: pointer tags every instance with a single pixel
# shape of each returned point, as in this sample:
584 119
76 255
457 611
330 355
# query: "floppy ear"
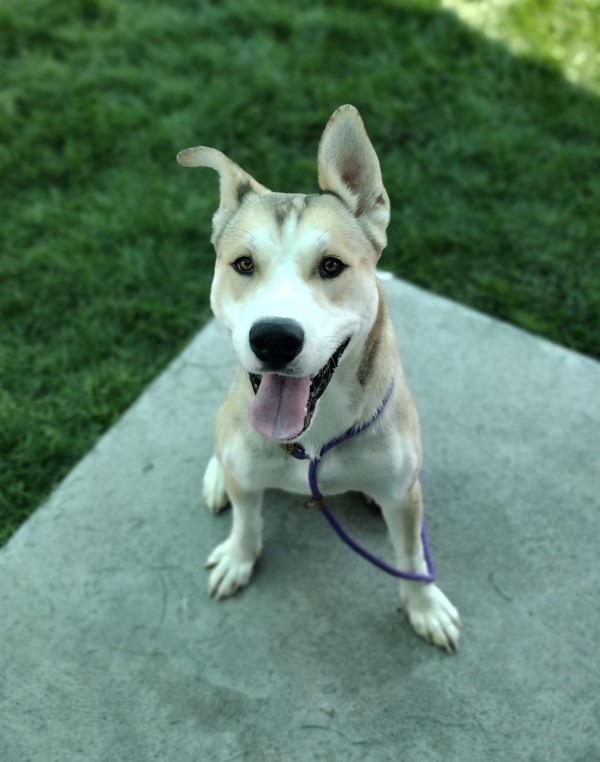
235 184
348 166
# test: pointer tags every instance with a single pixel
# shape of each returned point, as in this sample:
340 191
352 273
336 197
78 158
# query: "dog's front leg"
232 561
430 612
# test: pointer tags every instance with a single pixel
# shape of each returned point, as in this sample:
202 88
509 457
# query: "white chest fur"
374 460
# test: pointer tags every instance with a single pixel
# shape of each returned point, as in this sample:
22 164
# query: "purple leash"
299 453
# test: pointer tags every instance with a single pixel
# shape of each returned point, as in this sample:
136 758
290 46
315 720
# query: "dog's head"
294 280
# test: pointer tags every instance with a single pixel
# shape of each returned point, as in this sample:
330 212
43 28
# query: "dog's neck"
349 401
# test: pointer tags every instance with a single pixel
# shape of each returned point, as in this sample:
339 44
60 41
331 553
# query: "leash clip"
313 502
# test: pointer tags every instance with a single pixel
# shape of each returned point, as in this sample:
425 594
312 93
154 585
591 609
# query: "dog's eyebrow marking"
242 190
284 206
307 201
281 211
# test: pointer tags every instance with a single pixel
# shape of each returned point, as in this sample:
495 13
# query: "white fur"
214 492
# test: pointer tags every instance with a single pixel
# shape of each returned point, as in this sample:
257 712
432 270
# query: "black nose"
276 341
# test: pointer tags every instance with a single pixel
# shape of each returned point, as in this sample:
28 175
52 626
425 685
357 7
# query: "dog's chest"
336 472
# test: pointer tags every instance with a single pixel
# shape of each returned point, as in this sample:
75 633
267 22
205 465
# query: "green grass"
490 156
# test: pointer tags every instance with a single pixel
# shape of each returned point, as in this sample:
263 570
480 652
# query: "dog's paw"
432 615
230 570
215 495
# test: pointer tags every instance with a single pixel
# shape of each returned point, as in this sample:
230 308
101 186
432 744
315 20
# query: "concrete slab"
110 648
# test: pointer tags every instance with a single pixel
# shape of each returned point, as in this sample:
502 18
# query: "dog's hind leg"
213 488
430 612
232 562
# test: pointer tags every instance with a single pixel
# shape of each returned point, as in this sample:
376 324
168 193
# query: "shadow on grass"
491 160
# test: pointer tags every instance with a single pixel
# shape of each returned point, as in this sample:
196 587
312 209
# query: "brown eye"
243 265
331 267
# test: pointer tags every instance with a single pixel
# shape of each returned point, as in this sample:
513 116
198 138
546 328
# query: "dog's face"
295 265
294 279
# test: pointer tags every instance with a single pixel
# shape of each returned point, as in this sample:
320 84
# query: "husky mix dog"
295 287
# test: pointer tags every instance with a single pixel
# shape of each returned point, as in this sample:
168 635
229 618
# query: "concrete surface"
110 648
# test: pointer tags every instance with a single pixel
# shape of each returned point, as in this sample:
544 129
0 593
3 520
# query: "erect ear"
348 166
235 184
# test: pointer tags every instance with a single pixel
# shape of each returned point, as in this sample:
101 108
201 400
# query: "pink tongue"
277 411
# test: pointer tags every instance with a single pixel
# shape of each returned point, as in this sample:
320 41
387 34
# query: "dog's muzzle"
284 405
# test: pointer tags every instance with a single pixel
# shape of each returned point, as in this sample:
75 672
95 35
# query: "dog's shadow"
319 593
301 544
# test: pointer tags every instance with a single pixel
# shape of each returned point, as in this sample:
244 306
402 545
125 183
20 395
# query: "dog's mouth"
284 405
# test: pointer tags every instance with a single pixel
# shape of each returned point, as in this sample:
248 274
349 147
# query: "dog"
296 288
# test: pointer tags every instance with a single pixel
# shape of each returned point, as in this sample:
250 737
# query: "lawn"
487 125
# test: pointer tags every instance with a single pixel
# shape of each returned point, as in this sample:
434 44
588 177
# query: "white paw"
432 615
231 570
215 495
